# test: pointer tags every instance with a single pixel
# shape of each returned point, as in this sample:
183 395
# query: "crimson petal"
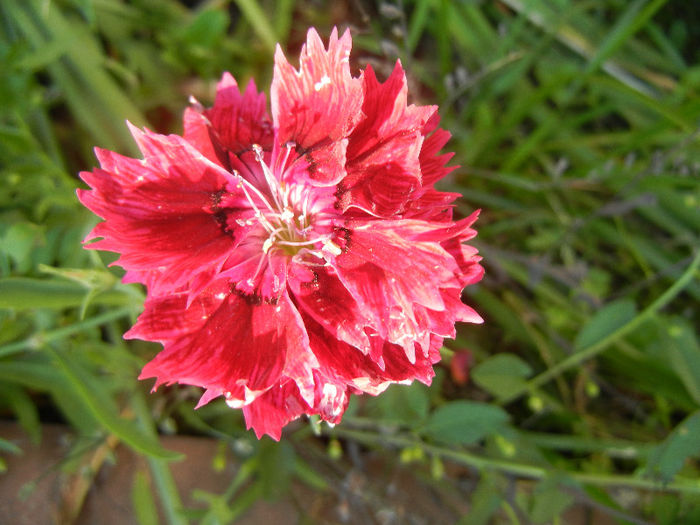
384 148
221 341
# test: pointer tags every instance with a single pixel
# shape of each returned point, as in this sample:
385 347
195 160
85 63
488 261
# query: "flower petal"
161 213
367 373
274 409
240 119
390 266
432 164
316 106
322 296
221 342
198 132
383 151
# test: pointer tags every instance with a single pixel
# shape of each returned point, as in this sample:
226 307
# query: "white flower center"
283 210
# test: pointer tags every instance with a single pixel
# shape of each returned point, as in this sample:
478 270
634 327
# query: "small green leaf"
24 409
9 447
94 280
259 21
549 501
99 279
605 321
19 239
684 353
206 29
465 422
308 475
407 405
485 500
277 464
501 374
670 455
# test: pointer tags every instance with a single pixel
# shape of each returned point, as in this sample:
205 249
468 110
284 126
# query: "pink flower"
294 260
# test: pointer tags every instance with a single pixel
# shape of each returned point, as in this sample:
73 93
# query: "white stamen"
258 214
267 244
272 182
289 146
287 215
330 246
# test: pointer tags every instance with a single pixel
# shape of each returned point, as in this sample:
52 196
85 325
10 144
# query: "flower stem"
598 347
518 469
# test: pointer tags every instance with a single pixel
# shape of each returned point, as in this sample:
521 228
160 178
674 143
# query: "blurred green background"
577 126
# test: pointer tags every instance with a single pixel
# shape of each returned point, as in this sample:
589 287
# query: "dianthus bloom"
294 260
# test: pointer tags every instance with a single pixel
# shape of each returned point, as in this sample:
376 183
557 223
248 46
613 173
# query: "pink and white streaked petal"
221 342
392 266
321 296
316 106
384 148
432 163
198 132
161 212
365 373
271 411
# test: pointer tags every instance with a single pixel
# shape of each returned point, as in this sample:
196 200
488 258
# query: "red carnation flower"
291 261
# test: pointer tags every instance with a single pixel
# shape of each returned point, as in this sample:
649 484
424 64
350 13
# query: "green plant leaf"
9 447
684 352
501 374
485 500
465 422
549 501
38 373
19 239
276 467
407 405
206 28
24 409
670 455
605 321
259 22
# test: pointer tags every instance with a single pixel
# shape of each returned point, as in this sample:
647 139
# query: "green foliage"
143 501
402 405
670 455
465 422
502 374
576 124
604 322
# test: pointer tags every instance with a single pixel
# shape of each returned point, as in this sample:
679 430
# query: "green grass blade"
104 410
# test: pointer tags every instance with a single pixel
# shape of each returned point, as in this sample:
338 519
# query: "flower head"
293 259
